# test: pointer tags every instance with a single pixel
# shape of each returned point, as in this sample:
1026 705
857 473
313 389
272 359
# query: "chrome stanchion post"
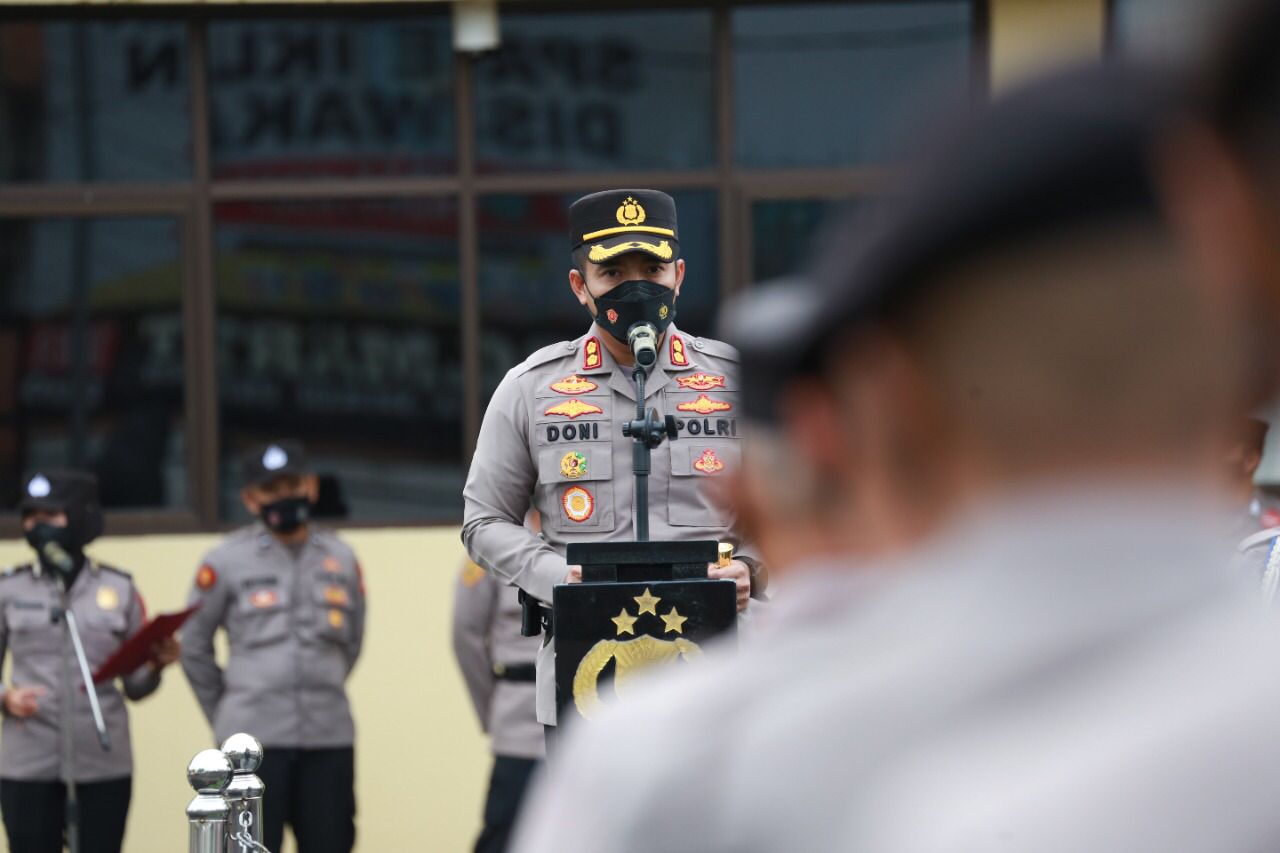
209 773
244 794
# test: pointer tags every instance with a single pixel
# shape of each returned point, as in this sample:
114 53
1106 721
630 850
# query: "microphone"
57 556
643 338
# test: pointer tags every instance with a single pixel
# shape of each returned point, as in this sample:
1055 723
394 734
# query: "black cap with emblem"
274 459
615 222
72 492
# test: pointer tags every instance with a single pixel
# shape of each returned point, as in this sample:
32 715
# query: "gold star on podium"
625 623
674 621
648 603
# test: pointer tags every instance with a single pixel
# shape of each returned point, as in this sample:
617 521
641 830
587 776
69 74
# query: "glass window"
525 300
594 91
848 82
338 324
1168 28
91 358
337 98
94 101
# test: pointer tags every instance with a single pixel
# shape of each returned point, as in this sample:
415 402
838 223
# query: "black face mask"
286 515
635 302
39 537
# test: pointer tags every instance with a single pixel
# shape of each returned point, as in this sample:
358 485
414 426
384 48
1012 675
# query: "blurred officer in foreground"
552 433
1050 657
497 665
291 598
61 507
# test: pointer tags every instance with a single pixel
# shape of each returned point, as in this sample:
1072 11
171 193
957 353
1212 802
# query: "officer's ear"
578 285
250 500
679 275
311 487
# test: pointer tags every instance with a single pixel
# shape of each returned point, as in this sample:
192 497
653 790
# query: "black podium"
640 604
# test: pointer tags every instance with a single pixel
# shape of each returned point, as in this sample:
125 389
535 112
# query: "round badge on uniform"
108 598
574 465
578 504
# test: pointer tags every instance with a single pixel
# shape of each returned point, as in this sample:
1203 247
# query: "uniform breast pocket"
30 625
699 495
263 616
575 486
334 608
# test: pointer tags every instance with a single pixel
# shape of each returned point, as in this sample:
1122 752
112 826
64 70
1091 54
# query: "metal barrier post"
209 773
244 794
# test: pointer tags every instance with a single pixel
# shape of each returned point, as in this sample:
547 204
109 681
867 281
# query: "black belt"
515 671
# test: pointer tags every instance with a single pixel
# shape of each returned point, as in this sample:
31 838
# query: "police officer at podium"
60 516
552 435
290 596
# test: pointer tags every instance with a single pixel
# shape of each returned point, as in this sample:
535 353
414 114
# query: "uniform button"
569 345
697 344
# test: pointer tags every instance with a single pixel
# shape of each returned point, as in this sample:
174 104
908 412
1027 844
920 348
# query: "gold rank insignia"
708 462
578 504
679 357
336 618
108 598
472 574
591 357
700 382
705 405
575 384
630 212
573 409
336 595
600 254
574 465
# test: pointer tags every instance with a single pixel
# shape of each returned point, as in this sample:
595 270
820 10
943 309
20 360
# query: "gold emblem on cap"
630 212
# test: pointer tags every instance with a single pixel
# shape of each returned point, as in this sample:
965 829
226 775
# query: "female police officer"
60 516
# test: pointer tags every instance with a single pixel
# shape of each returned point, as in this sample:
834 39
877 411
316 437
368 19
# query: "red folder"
136 650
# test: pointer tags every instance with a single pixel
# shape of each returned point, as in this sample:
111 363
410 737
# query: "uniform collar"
264 540
676 354
90 564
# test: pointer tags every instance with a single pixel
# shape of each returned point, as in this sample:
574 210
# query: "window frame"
193 201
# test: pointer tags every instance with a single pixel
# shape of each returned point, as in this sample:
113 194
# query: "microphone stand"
71 636
648 430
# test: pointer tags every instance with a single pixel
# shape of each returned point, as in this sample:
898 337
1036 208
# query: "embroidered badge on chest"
705 405
264 598
708 462
700 382
574 465
572 385
108 598
573 409
578 504
332 565
336 595
336 619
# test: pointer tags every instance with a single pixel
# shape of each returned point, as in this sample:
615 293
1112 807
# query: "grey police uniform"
294 622
108 610
494 659
553 433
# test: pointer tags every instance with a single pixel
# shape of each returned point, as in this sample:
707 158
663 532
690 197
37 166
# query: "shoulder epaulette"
716 349
16 570
114 570
549 353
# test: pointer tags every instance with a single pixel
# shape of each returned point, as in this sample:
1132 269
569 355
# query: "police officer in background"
497 665
60 516
553 431
291 598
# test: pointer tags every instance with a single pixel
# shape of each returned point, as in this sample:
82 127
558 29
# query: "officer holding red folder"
60 516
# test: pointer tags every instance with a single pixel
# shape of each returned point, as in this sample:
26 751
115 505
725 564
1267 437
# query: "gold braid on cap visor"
600 253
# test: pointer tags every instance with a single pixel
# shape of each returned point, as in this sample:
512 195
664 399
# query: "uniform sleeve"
4 643
358 612
144 680
475 600
199 664
497 497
